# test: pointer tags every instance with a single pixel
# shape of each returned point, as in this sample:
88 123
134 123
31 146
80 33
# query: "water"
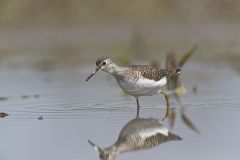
67 111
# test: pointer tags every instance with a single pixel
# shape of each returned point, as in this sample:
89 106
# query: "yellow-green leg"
167 103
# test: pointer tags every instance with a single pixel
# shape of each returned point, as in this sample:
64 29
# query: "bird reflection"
175 88
137 134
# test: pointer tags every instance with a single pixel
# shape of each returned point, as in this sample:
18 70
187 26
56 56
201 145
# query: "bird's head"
102 64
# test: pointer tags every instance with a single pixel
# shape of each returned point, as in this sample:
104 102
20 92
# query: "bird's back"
153 73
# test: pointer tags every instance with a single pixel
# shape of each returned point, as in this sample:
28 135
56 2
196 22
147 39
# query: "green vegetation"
81 11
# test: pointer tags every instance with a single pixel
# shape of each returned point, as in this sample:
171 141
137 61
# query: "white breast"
142 87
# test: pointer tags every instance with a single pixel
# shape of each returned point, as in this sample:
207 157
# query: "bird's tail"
173 137
171 72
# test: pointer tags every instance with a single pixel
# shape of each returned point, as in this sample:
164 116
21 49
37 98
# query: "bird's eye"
104 63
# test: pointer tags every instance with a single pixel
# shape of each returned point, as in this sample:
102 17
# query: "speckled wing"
153 73
157 139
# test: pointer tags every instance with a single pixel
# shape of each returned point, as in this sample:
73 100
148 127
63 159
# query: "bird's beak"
93 73
98 149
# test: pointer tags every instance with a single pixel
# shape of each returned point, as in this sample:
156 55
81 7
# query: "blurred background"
46 34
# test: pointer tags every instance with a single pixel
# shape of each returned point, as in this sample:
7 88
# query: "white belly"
142 87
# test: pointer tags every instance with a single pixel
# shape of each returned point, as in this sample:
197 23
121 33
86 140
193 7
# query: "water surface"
67 111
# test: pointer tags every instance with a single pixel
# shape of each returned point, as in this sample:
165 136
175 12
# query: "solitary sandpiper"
137 80
137 134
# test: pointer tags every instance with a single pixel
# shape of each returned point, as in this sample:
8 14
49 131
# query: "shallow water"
68 111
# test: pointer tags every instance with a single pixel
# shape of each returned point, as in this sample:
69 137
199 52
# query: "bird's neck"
116 70
120 147
113 150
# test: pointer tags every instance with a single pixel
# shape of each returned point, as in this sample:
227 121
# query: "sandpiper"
137 134
137 80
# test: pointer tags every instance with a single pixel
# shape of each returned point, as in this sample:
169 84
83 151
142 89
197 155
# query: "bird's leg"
167 103
138 107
